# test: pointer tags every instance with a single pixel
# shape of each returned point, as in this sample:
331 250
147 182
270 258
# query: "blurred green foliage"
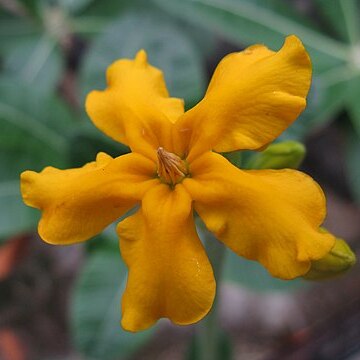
96 306
53 52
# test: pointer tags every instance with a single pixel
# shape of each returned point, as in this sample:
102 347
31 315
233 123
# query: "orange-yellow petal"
77 204
169 272
272 216
136 108
253 96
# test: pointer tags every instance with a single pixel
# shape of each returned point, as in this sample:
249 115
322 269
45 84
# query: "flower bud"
339 260
287 154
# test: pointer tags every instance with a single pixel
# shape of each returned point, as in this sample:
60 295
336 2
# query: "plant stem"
208 329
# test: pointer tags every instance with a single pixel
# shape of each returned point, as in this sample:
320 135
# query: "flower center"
171 168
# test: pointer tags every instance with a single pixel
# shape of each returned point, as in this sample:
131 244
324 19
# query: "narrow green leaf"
110 8
330 92
74 6
342 16
247 22
351 11
331 12
353 103
89 24
32 7
32 136
33 130
15 31
167 46
95 310
334 89
36 63
328 95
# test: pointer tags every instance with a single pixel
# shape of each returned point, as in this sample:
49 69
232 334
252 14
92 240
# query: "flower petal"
169 272
77 204
272 216
135 109
253 96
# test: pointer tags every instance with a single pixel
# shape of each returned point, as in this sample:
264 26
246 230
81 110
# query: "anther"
171 168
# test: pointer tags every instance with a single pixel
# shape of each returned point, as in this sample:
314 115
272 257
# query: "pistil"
171 168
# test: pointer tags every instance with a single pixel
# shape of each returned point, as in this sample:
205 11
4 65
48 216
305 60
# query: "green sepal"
338 261
287 154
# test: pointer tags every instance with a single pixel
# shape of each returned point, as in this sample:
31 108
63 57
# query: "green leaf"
259 21
32 7
107 241
167 46
33 130
86 142
254 276
332 12
111 8
328 95
330 92
99 15
74 6
209 47
36 63
244 272
15 217
246 22
353 104
95 310
14 31
342 16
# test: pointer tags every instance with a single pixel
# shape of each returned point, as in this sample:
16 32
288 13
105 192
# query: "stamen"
171 168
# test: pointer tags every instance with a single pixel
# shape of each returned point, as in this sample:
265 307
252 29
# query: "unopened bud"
336 262
287 154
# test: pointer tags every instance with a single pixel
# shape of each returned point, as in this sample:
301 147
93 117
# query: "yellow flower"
175 168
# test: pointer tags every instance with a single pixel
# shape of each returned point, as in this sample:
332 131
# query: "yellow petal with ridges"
77 204
135 109
272 216
169 272
254 95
